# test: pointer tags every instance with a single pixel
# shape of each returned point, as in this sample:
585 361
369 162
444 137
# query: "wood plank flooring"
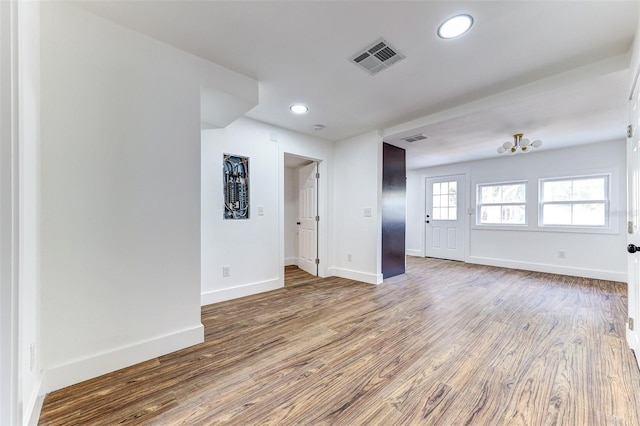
446 344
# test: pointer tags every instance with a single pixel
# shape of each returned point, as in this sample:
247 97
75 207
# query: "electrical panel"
236 186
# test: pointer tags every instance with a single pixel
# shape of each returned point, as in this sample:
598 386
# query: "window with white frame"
445 200
502 204
575 201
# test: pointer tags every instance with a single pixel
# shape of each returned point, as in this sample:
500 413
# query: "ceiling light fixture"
519 144
455 26
299 108
318 127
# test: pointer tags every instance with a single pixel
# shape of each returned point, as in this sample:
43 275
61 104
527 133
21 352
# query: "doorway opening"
301 218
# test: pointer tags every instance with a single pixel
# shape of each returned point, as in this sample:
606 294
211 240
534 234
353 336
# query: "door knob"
632 248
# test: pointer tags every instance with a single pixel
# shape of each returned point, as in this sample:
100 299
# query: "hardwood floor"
446 344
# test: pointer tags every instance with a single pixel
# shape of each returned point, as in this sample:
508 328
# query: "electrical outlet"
562 254
367 212
349 257
226 271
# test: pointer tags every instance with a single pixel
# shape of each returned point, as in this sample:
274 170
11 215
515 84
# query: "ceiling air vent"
376 57
415 138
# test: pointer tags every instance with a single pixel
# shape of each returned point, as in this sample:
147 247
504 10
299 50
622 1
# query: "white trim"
230 293
34 405
291 261
598 274
634 343
79 370
350 274
413 252
9 227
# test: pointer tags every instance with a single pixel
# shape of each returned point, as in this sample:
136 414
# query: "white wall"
253 249
120 186
358 186
596 255
291 215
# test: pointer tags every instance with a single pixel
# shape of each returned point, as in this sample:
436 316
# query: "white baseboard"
291 261
355 275
221 295
417 253
34 405
552 269
74 372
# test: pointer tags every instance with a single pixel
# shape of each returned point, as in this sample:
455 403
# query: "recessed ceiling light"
455 26
299 108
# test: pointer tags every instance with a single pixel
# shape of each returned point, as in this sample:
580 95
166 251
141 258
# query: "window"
445 200
502 204
575 201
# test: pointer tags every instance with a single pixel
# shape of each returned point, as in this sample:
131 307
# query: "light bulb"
501 150
507 145
537 143
525 142
455 26
524 149
513 150
299 108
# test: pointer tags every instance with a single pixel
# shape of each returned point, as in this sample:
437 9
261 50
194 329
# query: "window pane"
556 214
557 190
589 214
588 189
436 188
513 215
453 213
513 193
436 213
490 214
436 201
490 194
453 200
453 187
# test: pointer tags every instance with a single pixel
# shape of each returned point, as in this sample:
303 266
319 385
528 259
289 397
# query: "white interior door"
633 236
307 223
444 220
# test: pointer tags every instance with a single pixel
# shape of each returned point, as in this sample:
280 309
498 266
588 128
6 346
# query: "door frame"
9 214
633 267
463 197
323 212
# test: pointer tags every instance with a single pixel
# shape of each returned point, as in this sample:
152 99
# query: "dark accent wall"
394 200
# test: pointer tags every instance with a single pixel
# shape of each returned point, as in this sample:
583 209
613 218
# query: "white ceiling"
555 70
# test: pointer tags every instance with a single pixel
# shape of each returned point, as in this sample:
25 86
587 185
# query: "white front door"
444 220
633 236
307 223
